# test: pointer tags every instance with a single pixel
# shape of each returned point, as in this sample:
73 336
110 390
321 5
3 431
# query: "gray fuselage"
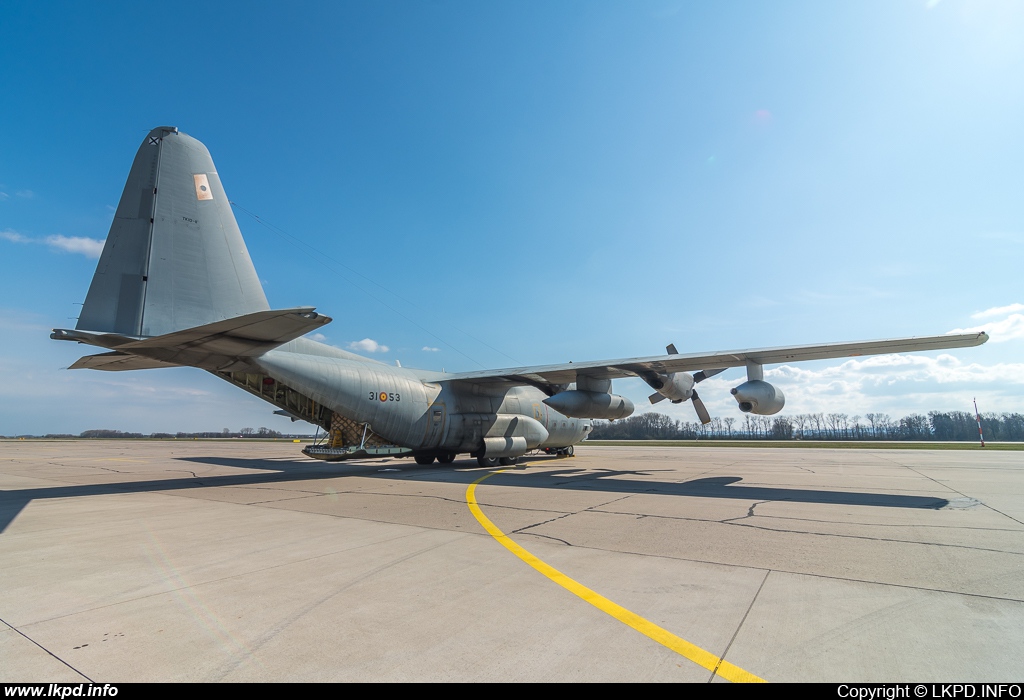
419 409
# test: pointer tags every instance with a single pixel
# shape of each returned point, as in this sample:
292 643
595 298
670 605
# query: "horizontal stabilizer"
211 346
118 362
251 334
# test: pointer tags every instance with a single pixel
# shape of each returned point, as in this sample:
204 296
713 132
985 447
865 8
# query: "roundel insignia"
383 396
202 183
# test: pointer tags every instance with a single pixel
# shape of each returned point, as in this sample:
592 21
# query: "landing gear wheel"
424 460
569 451
447 458
508 461
487 461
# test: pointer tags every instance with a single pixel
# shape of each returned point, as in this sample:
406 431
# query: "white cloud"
881 373
430 349
89 247
894 384
318 337
25 194
998 311
14 236
1008 328
3 196
367 345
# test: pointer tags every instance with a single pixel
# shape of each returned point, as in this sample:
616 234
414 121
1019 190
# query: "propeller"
702 411
678 381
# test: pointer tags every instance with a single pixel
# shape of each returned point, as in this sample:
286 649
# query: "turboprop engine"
760 397
678 386
675 386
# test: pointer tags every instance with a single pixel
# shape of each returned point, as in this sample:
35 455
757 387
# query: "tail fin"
174 257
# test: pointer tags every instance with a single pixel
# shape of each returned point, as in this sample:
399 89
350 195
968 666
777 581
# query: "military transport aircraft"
175 287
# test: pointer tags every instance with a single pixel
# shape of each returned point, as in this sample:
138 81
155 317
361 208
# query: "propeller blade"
702 411
671 349
705 374
656 397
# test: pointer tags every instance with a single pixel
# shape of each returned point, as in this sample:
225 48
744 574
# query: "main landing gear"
560 451
427 459
495 461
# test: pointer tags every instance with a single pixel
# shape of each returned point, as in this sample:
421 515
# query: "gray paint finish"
200 270
115 297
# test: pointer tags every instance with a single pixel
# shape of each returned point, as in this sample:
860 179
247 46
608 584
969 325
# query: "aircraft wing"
548 375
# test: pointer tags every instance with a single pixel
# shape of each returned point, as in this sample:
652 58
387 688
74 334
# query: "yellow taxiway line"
662 636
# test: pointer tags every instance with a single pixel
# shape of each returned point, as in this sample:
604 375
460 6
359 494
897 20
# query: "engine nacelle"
760 397
676 386
590 404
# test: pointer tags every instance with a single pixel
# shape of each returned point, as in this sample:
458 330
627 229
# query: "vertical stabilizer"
174 257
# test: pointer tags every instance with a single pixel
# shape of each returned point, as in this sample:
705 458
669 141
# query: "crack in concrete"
863 524
85 466
735 522
547 537
184 471
523 530
873 539
750 513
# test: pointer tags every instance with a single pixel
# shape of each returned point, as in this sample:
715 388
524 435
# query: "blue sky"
535 182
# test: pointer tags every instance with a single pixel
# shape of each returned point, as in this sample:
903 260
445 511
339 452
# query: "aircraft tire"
569 451
508 461
424 460
447 457
487 461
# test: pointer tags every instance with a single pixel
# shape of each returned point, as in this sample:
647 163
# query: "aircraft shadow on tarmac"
286 471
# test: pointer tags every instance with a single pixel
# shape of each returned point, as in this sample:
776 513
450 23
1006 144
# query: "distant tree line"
937 425
225 433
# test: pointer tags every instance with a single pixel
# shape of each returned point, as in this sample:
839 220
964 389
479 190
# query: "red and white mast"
978 416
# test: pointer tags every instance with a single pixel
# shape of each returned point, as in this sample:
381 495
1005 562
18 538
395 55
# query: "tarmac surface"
245 561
